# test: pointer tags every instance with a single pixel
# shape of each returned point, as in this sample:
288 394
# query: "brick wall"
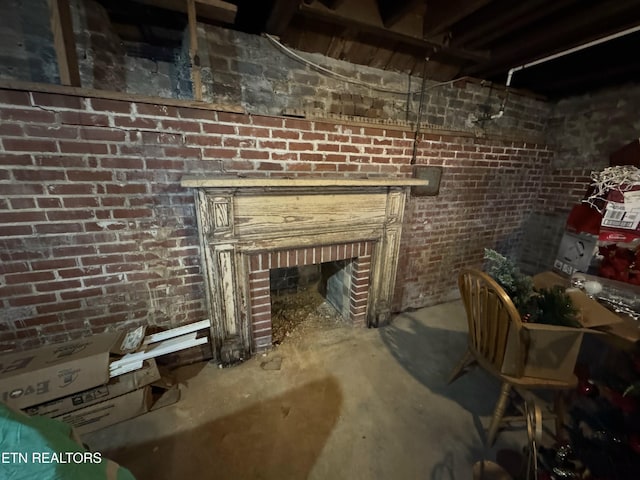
96 231
251 71
487 191
586 129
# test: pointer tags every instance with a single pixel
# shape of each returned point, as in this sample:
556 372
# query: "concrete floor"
331 402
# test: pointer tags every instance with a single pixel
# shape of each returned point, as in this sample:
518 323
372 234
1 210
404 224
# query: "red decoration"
618 263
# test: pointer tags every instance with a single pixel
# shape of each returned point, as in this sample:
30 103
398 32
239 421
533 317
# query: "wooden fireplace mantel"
239 182
242 217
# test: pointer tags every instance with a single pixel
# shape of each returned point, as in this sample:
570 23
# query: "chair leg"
498 413
464 362
559 407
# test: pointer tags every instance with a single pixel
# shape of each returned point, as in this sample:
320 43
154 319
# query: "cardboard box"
36 376
126 383
552 349
575 252
551 354
121 408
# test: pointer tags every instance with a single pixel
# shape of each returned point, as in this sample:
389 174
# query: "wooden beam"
500 22
64 42
328 16
193 50
560 34
126 97
442 14
217 11
392 11
281 14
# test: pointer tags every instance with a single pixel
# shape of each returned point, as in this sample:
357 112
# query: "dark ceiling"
479 38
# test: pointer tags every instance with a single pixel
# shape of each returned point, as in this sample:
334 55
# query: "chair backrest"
491 315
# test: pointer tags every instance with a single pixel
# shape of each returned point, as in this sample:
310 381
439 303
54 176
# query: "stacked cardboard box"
97 381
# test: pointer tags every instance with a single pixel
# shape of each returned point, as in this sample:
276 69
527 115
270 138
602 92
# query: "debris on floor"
292 313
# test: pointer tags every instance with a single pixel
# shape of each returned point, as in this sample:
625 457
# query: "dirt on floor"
293 314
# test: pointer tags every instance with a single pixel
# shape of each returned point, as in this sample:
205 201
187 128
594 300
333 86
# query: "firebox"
249 226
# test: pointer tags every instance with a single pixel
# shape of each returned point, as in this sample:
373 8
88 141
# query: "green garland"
551 306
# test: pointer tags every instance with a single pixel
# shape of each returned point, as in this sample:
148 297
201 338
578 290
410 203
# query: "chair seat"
493 323
546 383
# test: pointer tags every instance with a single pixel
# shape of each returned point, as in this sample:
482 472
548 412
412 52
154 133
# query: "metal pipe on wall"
571 50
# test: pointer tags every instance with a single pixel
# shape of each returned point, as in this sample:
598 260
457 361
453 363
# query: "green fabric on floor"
43 448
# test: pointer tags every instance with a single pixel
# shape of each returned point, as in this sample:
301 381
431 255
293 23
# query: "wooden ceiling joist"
64 42
427 46
500 22
441 14
532 45
392 11
281 15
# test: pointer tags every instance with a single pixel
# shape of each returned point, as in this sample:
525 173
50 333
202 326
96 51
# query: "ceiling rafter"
359 24
281 14
392 11
557 35
496 21
442 14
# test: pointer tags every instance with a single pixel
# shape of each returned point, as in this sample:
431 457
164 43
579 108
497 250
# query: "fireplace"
250 226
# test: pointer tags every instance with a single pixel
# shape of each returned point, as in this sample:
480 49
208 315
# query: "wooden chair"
490 315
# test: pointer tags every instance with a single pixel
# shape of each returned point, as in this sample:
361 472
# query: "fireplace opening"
309 296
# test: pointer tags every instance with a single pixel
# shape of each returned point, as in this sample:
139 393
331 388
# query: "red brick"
253 132
22 203
72 189
122 163
32 300
29 145
27 115
58 285
297 124
83 147
57 131
132 213
218 129
15 159
140 122
89 175
29 277
82 293
156 110
64 228
203 140
80 272
14 291
68 214
58 307
270 166
103 134
117 106
255 155
49 202
129 189
219 153
13 97
38 175
79 202
229 117
53 264
84 118
290 134
21 217
11 130
183 152
184 126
